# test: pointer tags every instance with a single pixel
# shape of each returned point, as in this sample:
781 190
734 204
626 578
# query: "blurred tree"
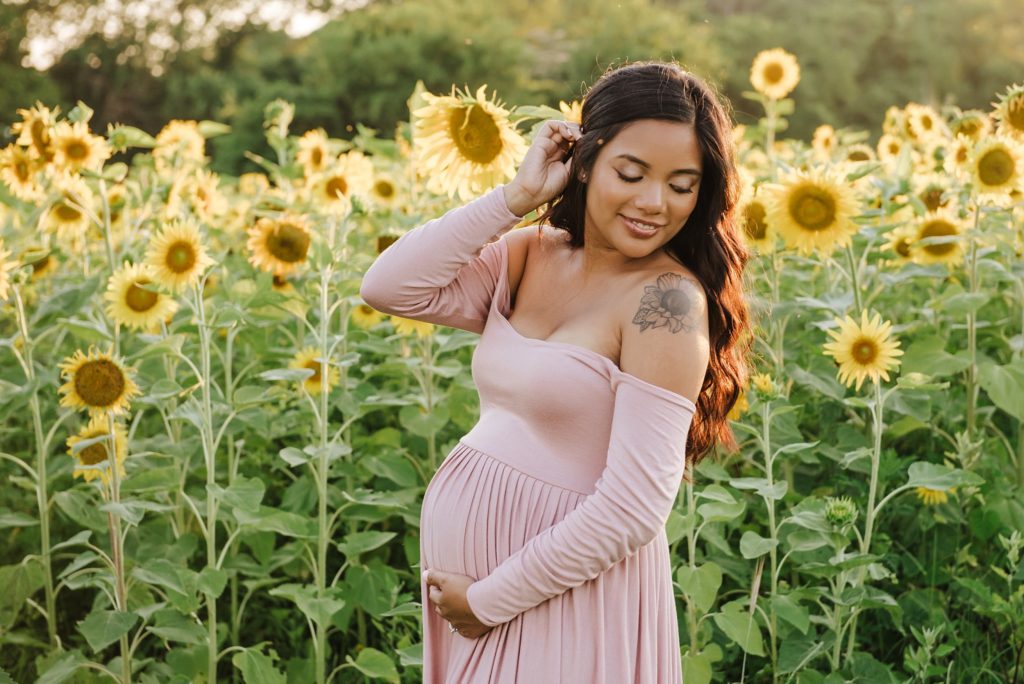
21 87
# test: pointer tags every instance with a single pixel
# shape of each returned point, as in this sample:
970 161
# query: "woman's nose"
651 198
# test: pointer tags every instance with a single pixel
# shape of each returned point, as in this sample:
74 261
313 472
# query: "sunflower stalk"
769 467
871 511
42 493
117 545
322 474
206 436
972 328
854 276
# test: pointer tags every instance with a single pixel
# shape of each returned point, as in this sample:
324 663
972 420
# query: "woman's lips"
638 229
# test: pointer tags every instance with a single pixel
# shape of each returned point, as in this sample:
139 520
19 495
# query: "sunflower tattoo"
666 303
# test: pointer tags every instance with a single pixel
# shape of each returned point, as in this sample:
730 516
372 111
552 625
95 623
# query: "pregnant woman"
611 350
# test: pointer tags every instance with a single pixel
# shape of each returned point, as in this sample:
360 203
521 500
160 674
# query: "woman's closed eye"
637 179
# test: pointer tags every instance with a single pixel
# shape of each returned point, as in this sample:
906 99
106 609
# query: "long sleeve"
630 505
440 271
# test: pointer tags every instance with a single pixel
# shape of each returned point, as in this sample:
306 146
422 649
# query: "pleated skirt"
618 628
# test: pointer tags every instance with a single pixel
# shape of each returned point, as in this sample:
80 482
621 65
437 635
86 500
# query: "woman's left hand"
447 591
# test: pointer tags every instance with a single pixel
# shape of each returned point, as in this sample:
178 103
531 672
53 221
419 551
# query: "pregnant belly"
477 511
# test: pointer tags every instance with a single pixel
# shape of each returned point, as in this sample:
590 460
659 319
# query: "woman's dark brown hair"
709 243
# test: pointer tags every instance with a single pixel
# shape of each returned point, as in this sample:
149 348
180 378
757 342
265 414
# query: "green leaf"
700 585
792 612
319 610
963 303
19 582
288 374
361 542
173 626
293 456
753 545
721 512
212 581
103 627
1004 386
825 384
742 628
928 355
245 493
212 129
697 668
939 477
9 518
5 678
422 423
375 665
268 519
257 668
61 668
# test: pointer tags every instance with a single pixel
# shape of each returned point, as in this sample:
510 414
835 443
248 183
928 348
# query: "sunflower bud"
841 511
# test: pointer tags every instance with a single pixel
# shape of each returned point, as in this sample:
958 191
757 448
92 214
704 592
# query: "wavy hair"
709 243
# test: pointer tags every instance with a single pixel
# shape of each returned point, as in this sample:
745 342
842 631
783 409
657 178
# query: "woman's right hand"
542 174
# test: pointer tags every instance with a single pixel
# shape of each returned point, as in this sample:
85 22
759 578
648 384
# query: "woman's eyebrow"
641 162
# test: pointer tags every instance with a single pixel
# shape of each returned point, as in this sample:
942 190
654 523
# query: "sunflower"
740 407
465 143
309 357
756 229
899 243
937 225
179 140
366 317
973 124
812 212
75 148
98 382
572 111
67 216
824 141
280 245
5 271
763 384
384 191
932 497
958 156
889 147
204 195
859 152
892 123
351 174
18 171
863 350
1009 112
997 166
408 326
34 129
313 154
253 183
923 122
42 260
177 255
933 191
88 459
132 304
774 73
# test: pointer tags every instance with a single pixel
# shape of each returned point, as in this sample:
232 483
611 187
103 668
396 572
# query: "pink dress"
556 500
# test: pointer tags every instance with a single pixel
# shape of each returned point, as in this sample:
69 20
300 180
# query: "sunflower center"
365 309
99 382
932 198
754 223
475 134
140 299
1015 113
67 213
926 122
76 150
995 167
39 137
21 170
181 257
336 186
858 155
962 153
812 208
41 264
969 127
864 351
674 302
288 243
903 247
773 72
316 157
314 366
384 189
939 229
894 148
94 453
279 281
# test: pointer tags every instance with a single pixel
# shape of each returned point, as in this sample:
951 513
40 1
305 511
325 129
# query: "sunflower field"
214 452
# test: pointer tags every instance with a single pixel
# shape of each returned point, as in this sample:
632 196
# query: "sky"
63 33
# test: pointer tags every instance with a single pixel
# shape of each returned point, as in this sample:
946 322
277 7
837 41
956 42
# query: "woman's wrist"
518 202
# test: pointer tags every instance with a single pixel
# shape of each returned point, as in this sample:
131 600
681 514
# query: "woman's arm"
632 501
443 271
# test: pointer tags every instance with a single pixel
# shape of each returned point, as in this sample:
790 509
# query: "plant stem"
972 331
322 467
42 493
869 524
117 545
766 423
854 277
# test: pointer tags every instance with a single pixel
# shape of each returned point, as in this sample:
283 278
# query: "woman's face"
643 187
